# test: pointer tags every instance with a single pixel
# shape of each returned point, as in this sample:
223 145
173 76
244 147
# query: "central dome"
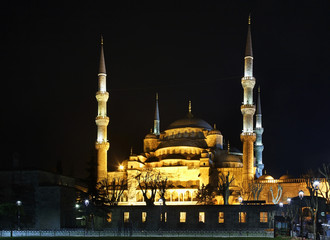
190 122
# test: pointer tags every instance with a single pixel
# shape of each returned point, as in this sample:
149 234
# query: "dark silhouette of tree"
110 191
150 182
162 187
223 186
205 195
325 191
256 189
312 202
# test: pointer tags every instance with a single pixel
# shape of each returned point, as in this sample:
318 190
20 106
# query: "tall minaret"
156 119
102 144
248 137
259 147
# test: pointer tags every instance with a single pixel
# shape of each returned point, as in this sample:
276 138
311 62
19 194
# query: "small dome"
224 159
190 122
151 136
266 177
285 176
214 132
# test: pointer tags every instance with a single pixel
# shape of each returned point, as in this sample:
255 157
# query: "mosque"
190 149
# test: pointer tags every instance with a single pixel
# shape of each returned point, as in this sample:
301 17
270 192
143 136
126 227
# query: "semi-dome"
190 122
224 159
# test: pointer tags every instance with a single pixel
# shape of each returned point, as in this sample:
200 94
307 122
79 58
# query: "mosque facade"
190 150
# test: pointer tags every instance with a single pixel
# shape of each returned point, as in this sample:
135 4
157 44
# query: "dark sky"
183 50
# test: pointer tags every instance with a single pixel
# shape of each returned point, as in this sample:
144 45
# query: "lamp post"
86 202
160 201
18 204
316 185
301 195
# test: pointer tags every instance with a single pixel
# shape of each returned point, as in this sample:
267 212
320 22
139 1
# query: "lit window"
126 217
144 217
165 217
221 217
263 217
109 217
182 217
201 217
242 217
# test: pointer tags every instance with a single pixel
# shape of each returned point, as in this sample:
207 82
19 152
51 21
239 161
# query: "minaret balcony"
102 145
102 120
248 109
248 82
102 96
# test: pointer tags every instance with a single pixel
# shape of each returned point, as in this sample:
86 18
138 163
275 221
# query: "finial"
131 151
189 106
150 130
214 126
228 146
157 96
258 89
249 22
101 39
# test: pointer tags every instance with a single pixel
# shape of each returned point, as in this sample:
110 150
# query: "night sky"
182 50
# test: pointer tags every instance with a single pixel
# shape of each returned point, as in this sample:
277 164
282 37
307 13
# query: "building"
190 150
34 199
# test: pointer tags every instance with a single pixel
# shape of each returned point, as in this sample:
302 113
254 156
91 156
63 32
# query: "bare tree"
256 188
150 182
223 185
162 187
312 202
109 192
276 199
325 191
205 195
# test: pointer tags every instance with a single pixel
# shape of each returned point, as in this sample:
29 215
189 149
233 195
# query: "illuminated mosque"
190 149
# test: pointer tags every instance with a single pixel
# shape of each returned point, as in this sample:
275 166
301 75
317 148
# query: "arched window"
167 196
181 197
194 198
124 197
175 196
139 196
187 196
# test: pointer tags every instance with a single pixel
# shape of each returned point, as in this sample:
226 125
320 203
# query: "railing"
84 233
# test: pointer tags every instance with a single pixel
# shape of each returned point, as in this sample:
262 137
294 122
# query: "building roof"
190 122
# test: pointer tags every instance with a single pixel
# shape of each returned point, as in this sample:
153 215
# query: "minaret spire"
157 119
102 120
248 136
259 147
248 48
102 61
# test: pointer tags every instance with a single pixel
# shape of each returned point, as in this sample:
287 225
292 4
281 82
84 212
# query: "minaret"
102 121
259 147
156 120
248 137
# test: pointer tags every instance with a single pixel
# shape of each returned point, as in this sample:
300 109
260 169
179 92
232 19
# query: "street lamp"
301 195
288 200
316 185
280 204
240 199
18 204
160 201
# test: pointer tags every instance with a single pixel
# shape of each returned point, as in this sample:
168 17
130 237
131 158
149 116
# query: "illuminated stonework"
190 150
